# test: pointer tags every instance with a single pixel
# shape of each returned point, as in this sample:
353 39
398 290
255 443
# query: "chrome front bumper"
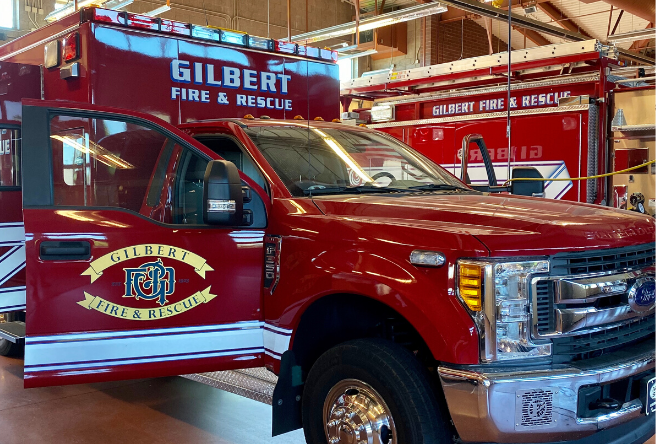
520 405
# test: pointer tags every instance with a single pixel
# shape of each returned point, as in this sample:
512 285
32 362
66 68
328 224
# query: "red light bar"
108 16
175 27
327 54
143 22
309 51
286 47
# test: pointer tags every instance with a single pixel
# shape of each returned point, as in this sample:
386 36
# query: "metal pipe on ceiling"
486 10
289 20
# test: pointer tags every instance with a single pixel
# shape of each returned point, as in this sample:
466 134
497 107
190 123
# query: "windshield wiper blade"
441 186
356 190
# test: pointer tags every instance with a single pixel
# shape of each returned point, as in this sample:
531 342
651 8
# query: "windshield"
312 161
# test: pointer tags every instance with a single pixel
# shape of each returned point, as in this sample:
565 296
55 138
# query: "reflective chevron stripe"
12 235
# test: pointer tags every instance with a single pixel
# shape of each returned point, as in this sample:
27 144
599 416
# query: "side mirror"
533 188
223 202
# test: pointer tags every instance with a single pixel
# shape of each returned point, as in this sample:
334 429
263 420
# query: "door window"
103 162
228 149
188 202
10 157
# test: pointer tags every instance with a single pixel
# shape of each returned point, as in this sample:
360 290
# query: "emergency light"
71 47
67 50
220 35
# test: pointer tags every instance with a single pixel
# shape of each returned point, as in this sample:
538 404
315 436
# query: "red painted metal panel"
17 81
211 280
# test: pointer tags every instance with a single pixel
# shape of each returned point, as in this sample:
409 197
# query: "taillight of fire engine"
71 49
219 35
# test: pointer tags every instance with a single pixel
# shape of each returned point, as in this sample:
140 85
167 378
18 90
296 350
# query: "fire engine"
149 230
563 99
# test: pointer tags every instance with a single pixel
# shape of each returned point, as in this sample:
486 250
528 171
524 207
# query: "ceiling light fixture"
357 54
377 21
69 8
161 10
632 36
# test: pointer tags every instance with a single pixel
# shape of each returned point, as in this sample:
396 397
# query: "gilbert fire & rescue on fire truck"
563 102
395 304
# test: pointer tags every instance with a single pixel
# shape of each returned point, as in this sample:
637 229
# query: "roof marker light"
143 22
234 37
319 119
287 48
326 54
298 117
175 27
207 33
249 117
260 43
108 16
336 121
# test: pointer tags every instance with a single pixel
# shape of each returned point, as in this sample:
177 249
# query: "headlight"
497 296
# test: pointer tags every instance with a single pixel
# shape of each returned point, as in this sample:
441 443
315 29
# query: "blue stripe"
12 307
49 367
12 289
13 272
72 337
8 254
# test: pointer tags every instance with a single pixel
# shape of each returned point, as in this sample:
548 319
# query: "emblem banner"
97 267
92 302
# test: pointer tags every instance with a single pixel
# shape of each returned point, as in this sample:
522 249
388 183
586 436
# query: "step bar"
13 331
253 383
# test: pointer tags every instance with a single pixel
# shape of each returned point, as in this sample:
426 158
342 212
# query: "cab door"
124 280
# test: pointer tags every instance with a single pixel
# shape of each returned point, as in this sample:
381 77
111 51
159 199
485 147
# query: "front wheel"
371 391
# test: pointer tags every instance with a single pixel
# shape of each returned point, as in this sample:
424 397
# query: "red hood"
507 225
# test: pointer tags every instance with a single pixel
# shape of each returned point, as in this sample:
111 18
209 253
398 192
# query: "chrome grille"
544 306
583 305
591 345
596 261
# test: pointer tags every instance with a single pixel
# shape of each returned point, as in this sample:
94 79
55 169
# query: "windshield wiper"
356 190
441 186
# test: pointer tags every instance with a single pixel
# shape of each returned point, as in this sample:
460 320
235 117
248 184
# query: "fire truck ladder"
476 70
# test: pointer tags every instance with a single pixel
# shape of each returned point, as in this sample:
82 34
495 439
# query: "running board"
12 331
253 383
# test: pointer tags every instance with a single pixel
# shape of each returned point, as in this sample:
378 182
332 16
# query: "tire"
8 348
392 380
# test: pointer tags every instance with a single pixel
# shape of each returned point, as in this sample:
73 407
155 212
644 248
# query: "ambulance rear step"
253 383
12 331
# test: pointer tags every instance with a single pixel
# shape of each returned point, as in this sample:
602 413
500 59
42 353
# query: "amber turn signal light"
470 285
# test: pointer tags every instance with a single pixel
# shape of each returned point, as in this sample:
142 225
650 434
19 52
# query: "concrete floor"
147 411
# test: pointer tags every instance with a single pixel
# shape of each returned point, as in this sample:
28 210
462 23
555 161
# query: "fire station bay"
327 222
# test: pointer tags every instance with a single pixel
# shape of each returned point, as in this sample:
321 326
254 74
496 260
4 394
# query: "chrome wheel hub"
354 413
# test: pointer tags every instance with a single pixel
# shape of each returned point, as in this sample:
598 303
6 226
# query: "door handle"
65 250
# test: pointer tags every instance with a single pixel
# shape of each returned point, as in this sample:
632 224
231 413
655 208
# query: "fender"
412 292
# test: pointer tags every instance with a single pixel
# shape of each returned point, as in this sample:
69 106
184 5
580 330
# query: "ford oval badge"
641 294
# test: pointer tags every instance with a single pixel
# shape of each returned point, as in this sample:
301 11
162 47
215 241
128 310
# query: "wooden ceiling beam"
533 36
561 19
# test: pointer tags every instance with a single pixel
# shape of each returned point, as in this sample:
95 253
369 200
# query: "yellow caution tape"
581 178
